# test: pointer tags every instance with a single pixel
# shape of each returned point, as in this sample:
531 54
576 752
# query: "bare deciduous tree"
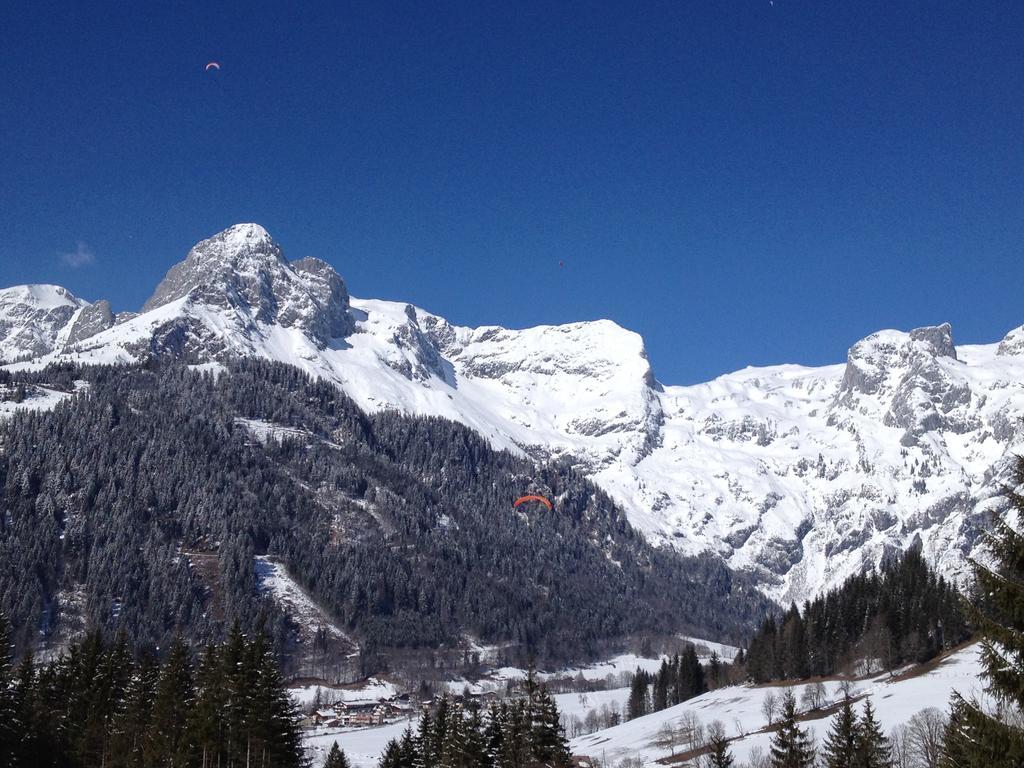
741 730
814 696
758 759
901 750
927 731
666 738
690 731
770 707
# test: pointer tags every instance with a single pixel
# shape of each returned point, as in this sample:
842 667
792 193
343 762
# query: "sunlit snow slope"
801 475
739 710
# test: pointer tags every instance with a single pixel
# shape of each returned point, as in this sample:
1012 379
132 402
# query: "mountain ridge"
800 475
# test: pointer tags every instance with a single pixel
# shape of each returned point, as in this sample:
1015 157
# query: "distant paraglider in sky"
212 65
541 499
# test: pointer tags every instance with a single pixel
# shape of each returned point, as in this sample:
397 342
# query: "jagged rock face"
1012 343
31 317
326 303
91 320
799 475
910 375
242 269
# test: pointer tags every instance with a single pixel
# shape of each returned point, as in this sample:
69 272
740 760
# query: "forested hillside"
903 614
141 503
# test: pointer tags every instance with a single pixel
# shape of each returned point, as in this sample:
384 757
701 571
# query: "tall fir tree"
791 746
840 747
9 713
475 748
392 756
637 705
494 733
718 755
274 737
167 743
978 737
30 744
207 716
547 739
139 697
426 754
336 758
453 739
872 746
407 750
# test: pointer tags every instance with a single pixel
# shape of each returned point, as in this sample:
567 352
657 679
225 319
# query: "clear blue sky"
740 182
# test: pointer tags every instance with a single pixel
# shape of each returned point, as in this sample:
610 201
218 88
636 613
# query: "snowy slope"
738 708
800 475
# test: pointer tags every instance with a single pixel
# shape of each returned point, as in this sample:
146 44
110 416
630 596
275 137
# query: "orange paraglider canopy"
541 499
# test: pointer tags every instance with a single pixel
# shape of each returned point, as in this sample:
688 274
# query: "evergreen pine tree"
238 689
107 700
206 721
271 716
637 704
407 750
475 748
453 746
659 696
29 744
336 758
718 755
791 746
426 754
10 728
714 670
975 737
547 739
515 737
135 724
494 733
167 743
840 748
392 756
872 745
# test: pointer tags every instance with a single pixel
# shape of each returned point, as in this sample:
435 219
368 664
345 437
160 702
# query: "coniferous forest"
904 613
101 705
522 732
141 504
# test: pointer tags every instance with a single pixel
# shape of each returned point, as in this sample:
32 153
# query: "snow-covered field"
738 708
627 663
580 704
363 746
41 400
371 690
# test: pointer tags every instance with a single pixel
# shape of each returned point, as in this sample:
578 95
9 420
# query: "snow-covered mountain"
32 316
801 475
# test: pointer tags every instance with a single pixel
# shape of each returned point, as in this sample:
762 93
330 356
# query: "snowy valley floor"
738 708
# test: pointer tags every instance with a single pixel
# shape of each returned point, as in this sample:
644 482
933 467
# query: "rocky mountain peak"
220 262
905 379
244 270
32 316
938 339
1012 343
